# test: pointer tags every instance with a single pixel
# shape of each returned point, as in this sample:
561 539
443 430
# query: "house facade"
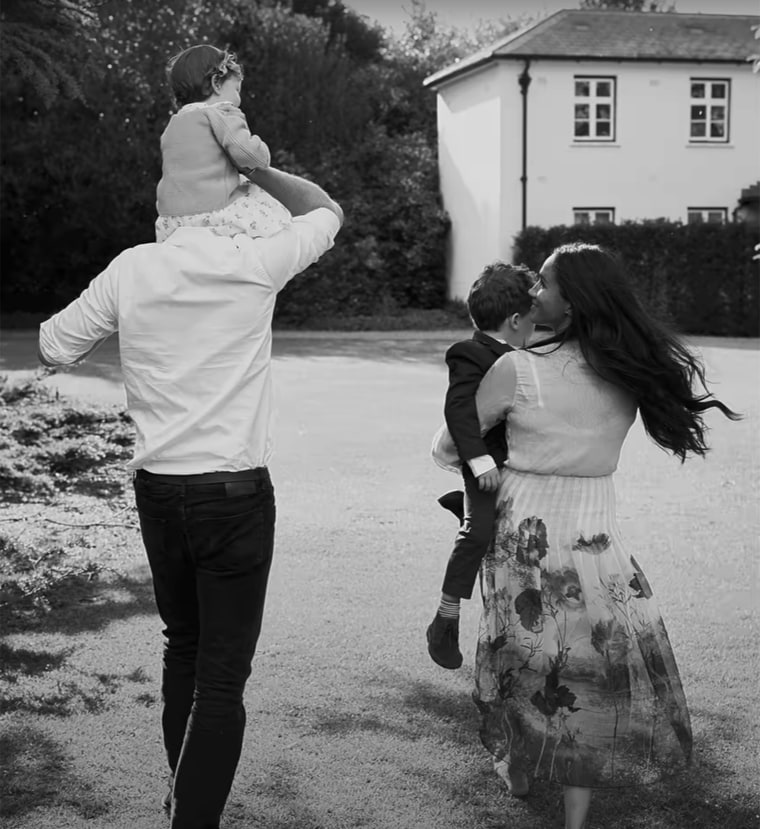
597 116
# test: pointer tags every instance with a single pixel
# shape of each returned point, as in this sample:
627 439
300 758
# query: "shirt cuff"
324 217
481 464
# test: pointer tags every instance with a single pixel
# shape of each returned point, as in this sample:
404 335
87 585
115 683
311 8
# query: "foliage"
47 47
701 277
333 101
50 450
47 448
426 46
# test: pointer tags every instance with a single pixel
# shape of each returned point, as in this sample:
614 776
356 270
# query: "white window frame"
704 214
594 101
711 106
593 215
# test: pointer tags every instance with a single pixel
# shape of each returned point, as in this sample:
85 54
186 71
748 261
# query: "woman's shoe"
517 782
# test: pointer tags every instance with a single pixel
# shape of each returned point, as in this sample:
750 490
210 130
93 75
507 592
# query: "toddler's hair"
192 72
500 291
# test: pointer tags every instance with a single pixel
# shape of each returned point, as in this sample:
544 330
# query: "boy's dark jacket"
468 362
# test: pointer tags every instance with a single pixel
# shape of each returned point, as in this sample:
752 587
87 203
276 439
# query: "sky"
466 13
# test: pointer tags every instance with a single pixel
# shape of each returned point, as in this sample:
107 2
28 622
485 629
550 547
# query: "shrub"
46 448
700 277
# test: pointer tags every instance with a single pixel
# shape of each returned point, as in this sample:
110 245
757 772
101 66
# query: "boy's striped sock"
449 610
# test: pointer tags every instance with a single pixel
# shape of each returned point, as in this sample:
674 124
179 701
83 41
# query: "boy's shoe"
443 642
454 502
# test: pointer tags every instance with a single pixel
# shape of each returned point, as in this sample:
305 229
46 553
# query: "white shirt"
194 319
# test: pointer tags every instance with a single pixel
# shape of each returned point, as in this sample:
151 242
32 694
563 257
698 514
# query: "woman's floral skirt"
576 680
254 213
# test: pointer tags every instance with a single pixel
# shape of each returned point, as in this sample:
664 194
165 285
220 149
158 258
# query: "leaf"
528 607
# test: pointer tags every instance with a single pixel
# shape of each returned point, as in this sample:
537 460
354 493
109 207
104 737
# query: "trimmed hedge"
699 277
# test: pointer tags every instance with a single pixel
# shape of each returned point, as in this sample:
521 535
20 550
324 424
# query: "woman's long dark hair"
626 346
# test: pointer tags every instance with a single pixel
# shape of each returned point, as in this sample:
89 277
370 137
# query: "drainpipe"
524 81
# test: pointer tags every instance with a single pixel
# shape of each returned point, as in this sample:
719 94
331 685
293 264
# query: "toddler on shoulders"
208 151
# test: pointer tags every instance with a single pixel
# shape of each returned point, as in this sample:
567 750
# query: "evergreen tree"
47 46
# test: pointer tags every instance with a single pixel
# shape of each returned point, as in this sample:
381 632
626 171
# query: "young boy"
498 303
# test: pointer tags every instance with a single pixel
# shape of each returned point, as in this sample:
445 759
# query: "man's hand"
297 194
489 481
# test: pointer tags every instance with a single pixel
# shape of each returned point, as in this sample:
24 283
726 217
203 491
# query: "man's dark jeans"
472 540
210 549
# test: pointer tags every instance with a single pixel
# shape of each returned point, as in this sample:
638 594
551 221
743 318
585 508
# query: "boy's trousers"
472 540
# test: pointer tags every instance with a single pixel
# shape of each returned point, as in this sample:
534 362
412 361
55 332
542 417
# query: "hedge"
700 277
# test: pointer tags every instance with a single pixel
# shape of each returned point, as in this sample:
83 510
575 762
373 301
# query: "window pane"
582 89
697 90
581 128
718 114
698 129
694 217
604 89
603 129
718 90
581 218
717 130
602 217
715 216
582 111
698 113
604 111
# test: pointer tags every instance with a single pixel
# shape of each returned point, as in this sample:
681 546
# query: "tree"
629 5
47 46
425 46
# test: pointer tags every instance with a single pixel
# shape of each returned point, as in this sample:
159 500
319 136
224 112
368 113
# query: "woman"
575 677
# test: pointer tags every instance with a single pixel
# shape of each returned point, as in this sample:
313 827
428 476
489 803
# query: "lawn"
350 723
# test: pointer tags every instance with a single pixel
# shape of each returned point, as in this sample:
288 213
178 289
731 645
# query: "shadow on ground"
84 605
409 710
36 771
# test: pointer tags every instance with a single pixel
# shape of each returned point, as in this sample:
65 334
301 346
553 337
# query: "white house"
592 116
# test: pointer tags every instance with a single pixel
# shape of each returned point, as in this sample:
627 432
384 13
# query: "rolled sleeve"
246 151
295 247
73 332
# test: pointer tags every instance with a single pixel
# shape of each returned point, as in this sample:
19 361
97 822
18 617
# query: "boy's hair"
500 291
192 72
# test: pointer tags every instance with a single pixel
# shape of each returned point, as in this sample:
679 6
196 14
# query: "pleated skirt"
576 680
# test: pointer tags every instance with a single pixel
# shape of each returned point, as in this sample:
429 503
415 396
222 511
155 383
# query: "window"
594 215
712 215
594 109
708 114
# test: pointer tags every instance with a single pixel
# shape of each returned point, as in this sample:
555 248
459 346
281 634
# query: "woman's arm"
496 393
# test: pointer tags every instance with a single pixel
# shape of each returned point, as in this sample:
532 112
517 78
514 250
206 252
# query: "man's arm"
297 194
74 333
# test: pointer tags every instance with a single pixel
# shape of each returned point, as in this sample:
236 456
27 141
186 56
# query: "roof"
606 34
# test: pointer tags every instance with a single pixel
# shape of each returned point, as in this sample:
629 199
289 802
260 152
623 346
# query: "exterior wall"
472 152
649 171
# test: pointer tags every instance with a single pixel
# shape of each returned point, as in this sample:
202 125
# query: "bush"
46 448
699 277
66 212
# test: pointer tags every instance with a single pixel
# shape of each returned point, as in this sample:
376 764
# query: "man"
194 318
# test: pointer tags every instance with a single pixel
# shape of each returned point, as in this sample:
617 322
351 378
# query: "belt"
260 473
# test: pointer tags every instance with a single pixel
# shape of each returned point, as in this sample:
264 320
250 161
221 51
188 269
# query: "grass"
350 724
